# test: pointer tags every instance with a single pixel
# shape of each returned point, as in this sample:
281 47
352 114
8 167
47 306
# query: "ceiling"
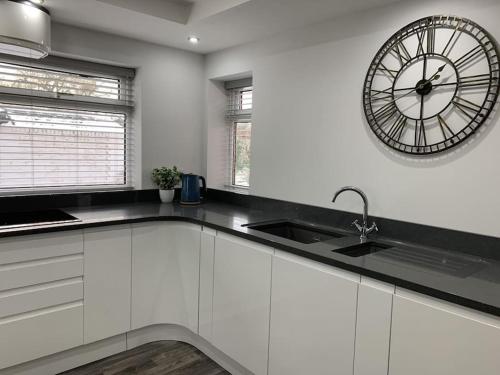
218 23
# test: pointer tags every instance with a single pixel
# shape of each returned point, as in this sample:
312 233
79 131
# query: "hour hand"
436 75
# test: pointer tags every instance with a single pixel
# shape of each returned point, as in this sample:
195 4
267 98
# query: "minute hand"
433 77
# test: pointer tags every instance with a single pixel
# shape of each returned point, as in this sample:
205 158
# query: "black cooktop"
34 218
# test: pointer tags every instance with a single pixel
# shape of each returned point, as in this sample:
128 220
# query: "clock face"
432 85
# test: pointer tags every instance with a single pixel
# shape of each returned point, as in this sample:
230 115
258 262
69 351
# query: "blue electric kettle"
191 190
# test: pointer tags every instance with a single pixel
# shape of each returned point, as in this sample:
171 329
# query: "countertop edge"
436 293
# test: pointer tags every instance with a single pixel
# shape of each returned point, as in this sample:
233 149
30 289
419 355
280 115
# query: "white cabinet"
313 318
241 301
207 256
165 274
41 296
373 327
437 338
107 254
32 335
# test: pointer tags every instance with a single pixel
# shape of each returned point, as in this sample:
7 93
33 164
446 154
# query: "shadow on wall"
442 158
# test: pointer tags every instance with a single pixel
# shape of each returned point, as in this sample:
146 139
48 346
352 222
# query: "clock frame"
432 85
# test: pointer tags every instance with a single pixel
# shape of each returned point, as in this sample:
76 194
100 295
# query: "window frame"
233 161
235 114
68 102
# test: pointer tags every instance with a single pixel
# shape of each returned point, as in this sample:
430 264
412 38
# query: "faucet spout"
364 227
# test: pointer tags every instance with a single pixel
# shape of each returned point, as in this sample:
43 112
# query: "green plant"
166 178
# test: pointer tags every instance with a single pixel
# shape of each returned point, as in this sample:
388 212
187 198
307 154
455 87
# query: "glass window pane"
51 81
246 99
51 147
241 152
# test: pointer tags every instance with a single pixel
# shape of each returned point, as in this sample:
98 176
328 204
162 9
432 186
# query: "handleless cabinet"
108 256
165 274
313 318
207 256
433 337
373 327
241 301
41 296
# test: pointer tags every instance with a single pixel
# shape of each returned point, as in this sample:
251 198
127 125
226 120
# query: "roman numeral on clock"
391 72
431 39
457 33
384 113
477 81
420 136
381 95
396 130
401 52
468 57
445 129
467 107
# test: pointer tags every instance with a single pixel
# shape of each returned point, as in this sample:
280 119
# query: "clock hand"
425 67
419 86
417 129
435 75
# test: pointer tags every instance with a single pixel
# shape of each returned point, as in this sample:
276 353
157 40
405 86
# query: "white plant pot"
167 196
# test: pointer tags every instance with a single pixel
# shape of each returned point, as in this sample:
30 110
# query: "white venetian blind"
239 100
65 124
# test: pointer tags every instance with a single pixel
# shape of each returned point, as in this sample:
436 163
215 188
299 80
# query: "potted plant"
166 179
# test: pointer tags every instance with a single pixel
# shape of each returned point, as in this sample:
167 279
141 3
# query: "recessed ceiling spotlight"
37 2
193 39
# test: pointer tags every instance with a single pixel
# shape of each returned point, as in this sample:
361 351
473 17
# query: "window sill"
82 190
236 189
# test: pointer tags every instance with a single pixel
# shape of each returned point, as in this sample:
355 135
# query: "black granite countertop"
479 288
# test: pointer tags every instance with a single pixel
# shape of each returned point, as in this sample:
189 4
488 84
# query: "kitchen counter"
478 289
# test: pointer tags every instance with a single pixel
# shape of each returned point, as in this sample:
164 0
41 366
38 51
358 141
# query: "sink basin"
296 232
10 220
362 249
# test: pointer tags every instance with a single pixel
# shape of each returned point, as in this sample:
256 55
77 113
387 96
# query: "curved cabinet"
165 274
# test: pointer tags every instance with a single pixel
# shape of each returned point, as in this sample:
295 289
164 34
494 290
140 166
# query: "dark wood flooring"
157 358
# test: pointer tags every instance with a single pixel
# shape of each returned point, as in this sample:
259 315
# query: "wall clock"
432 85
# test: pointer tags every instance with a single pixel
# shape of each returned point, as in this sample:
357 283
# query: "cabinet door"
436 338
107 254
165 274
373 327
241 301
41 296
313 318
207 255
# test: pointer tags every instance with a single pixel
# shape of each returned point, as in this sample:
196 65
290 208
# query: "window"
241 153
64 124
239 115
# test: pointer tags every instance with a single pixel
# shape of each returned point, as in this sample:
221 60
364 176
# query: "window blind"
65 124
239 104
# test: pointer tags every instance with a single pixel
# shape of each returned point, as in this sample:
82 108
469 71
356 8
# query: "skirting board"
81 355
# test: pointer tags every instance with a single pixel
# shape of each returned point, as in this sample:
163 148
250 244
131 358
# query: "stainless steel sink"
294 231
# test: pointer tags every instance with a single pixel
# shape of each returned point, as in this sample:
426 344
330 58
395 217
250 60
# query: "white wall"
169 94
310 136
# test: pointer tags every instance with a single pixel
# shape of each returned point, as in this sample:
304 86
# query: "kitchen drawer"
33 335
18 275
22 300
40 246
